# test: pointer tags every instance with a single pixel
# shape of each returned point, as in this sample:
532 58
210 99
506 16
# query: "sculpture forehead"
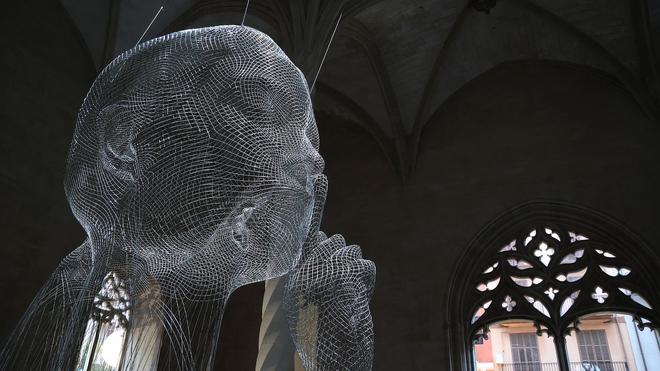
221 55
200 70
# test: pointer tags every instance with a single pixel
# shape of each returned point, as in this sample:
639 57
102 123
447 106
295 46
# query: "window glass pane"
513 345
612 342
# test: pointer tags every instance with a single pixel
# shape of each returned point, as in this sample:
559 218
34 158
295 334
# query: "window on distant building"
554 272
524 351
513 345
593 348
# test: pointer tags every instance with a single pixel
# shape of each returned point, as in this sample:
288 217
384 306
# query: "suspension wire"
326 52
245 12
149 26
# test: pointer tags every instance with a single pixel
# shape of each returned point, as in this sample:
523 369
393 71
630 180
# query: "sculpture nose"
319 163
315 158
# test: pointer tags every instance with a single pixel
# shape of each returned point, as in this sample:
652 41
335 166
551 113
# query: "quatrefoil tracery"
550 275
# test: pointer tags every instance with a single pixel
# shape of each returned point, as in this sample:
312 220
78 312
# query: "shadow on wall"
517 133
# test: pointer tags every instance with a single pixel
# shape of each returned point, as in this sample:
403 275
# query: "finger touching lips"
352 252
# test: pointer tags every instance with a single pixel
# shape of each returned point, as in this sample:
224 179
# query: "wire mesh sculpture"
194 169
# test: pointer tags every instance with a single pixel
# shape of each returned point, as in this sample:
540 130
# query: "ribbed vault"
394 63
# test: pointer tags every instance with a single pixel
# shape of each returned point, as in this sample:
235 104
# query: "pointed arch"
552 263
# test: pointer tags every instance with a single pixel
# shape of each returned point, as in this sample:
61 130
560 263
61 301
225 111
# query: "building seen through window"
524 348
555 292
606 342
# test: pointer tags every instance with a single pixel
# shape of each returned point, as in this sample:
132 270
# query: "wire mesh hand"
327 298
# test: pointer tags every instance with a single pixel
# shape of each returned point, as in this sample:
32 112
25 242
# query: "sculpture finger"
320 194
348 253
367 275
327 247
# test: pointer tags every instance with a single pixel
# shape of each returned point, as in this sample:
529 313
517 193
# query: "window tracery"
105 334
583 250
112 303
551 274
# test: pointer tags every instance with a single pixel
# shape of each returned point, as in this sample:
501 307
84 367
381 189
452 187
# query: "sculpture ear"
239 228
117 134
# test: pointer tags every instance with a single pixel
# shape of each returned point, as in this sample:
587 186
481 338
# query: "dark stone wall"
44 72
518 133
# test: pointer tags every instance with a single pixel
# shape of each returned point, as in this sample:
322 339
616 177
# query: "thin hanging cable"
245 12
326 52
149 26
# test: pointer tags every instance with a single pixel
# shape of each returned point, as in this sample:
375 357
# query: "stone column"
276 349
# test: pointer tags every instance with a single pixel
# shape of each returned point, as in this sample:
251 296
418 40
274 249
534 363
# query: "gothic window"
105 334
547 273
524 351
552 272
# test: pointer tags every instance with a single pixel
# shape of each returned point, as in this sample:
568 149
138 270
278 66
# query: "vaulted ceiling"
393 63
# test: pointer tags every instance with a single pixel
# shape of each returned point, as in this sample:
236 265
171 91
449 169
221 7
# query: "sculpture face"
190 149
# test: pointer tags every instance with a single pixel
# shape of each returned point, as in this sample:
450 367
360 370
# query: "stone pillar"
276 349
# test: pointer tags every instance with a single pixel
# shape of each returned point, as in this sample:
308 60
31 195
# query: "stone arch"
566 229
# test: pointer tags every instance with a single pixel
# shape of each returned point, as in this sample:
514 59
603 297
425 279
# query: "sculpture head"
197 145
